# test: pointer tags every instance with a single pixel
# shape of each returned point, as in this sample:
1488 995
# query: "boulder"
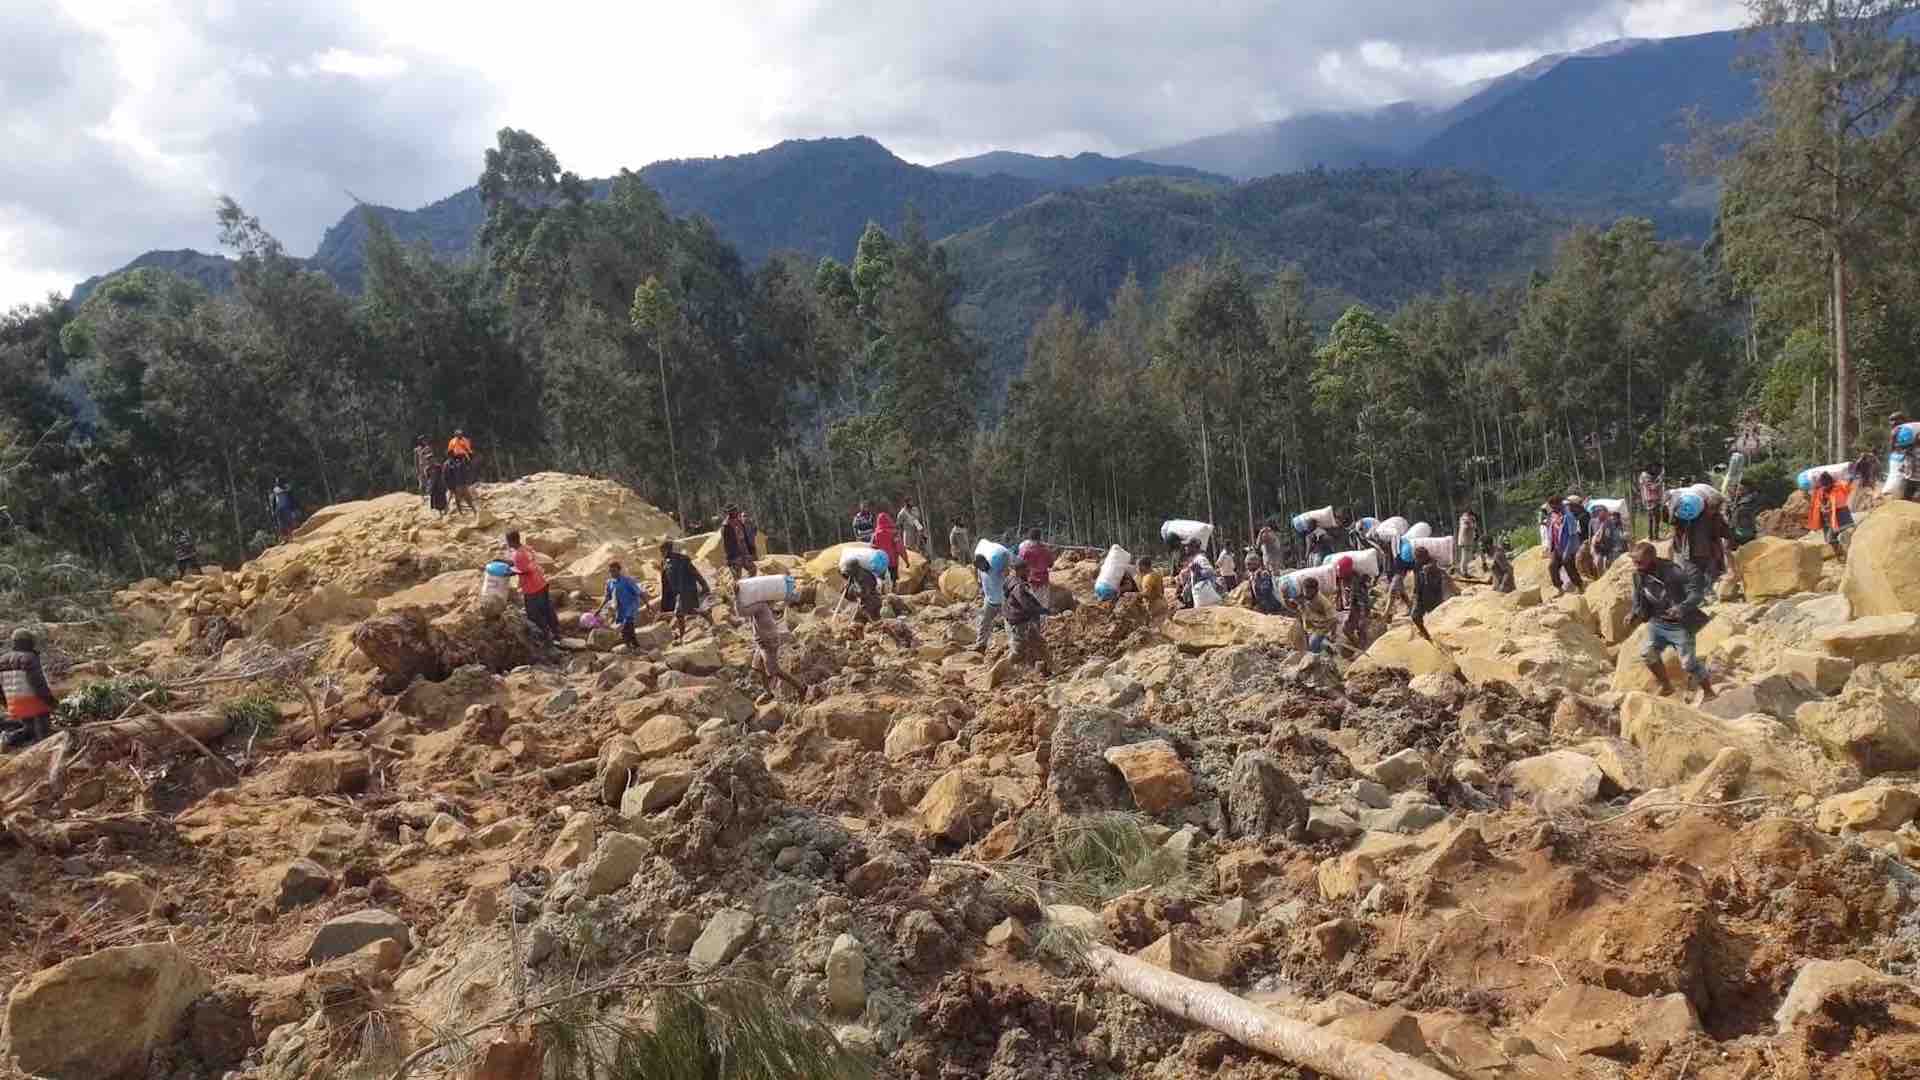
1882 577
615 859
859 718
1262 800
1553 645
1397 770
1874 638
1592 1020
707 699
325 772
302 882
1771 568
911 734
1556 781
960 584
664 736
847 976
1874 727
694 657
573 845
726 933
345 934
1197 630
1679 741
1403 649
1776 695
656 794
1079 780
97 1017
1821 671
958 807
1154 773
1820 980
1610 602
1879 808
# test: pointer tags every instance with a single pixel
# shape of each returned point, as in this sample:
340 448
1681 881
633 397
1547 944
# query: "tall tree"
1827 161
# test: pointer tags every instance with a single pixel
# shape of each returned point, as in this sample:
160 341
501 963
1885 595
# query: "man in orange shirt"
1829 512
460 446
533 587
23 686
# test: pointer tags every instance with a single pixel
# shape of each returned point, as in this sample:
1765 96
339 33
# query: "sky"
126 119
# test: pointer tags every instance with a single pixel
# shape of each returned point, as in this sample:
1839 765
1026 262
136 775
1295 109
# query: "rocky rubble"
1496 853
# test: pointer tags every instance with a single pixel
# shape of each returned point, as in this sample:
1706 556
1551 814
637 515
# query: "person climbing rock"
1828 511
1026 616
1356 605
766 650
284 508
23 685
1503 566
628 599
1317 616
533 588
1564 538
1429 589
1153 587
739 545
682 588
993 597
1262 595
1667 597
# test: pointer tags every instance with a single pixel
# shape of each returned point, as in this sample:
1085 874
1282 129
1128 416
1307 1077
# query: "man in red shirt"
533 586
1039 560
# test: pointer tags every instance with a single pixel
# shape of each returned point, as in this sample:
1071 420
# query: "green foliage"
251 715
106 699
1101 856
735 1032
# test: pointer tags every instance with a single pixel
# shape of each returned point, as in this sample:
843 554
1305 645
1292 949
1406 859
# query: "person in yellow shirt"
1153 588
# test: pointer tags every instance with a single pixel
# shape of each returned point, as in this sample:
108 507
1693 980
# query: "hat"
23 639
1344 568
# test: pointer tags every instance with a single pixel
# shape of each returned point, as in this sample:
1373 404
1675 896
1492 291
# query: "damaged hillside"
336 817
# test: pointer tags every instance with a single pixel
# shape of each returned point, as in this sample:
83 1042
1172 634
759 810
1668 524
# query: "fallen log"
1253 1027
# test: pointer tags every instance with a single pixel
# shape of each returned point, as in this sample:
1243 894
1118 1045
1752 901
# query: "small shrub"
1099 857
735 1032
108 698
253 715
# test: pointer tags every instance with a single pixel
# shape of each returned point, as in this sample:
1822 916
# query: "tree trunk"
1842 364
1251 1026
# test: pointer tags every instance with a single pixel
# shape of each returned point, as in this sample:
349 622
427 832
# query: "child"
627 598
1503 567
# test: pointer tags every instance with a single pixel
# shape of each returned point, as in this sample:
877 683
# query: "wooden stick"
166 722
1253 1027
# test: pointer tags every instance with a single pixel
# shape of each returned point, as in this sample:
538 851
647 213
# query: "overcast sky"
124 119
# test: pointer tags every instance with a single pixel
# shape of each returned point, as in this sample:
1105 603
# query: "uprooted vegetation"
1494 855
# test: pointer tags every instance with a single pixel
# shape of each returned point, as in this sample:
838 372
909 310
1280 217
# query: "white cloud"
126 118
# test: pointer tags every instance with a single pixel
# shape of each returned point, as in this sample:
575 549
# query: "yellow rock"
1882 576
1679 741
1611 601
1402 649
1872 639
1771 568
959 583
1201 629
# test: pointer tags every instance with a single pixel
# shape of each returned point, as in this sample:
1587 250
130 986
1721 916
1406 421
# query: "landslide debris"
1497 853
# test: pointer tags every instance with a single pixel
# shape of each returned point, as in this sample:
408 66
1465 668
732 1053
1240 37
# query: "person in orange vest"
1829 512
460 446
23 684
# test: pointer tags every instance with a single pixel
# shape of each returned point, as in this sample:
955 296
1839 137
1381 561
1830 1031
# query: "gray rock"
656 794
1230 915
350 933
541 943
725 935
680 931
847 976
560 703
1368 793
1408 817
303 882
1079 779
1262 799
1329 823
1777 695
1397 771
1557 781
613 863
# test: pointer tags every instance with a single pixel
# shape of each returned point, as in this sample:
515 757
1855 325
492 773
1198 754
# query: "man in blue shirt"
993 595
627 598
